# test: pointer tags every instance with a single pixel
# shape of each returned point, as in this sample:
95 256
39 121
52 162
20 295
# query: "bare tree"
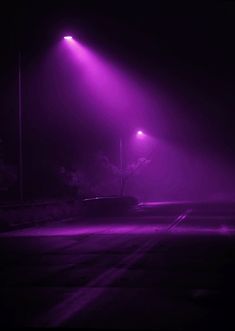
124 174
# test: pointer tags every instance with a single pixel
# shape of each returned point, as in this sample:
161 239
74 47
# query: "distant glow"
140 134
224 229
68 37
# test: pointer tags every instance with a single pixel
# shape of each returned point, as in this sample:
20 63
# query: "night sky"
187 52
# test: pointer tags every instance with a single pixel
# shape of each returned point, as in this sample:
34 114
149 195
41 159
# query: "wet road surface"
167 270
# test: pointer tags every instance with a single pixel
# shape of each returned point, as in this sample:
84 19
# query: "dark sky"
189 49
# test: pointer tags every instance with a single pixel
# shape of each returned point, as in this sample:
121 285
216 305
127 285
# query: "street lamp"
121 165
68 38
20 124
139 135
21 190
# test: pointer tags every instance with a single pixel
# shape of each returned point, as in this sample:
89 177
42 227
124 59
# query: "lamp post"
121 166
20 131
139 135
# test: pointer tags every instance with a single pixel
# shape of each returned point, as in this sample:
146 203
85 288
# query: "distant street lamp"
139 135
121 165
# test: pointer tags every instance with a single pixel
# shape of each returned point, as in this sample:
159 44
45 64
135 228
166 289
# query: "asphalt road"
170 269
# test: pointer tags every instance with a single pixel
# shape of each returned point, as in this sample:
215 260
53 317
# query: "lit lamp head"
68 38
139 134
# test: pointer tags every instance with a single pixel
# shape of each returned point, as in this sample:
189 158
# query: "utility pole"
121 166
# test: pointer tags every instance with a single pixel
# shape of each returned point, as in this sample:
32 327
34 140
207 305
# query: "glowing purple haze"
86 95
114 95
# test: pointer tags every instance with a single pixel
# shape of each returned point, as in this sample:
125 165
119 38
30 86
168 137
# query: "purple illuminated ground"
172 271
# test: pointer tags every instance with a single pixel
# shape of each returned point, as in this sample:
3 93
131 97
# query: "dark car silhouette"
109 206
